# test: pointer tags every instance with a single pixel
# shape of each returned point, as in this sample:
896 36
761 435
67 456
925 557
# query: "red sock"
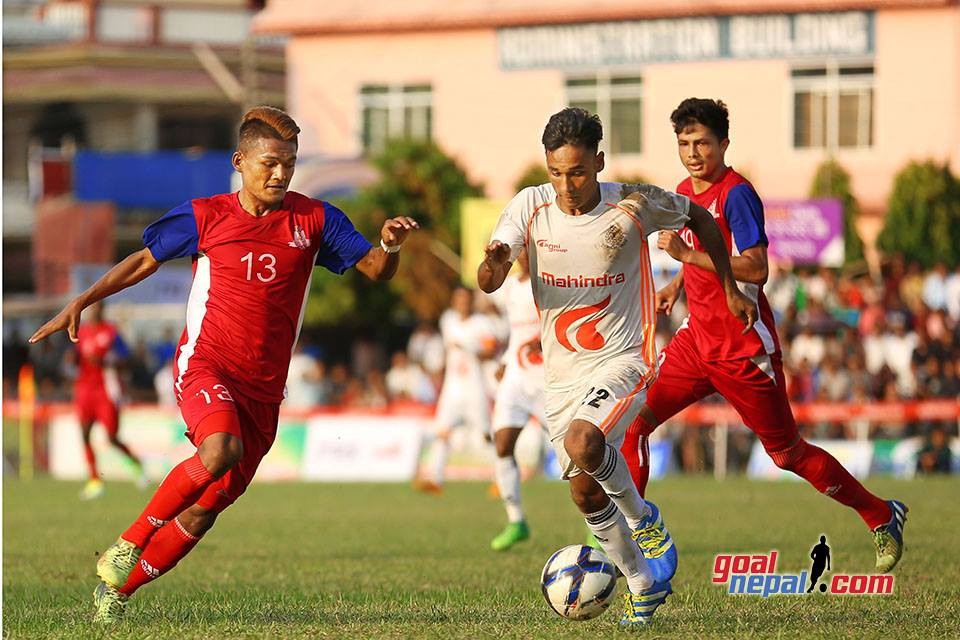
166 548
91 460
180 489
636 451
828 476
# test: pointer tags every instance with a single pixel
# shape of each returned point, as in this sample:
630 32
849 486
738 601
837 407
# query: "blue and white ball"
579 582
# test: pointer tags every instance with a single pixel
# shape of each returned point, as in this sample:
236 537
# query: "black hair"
712 114
573 126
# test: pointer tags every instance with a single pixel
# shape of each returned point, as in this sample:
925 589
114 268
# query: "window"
395 111
833 107
618 102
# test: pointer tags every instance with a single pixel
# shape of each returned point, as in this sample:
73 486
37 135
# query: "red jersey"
95 343
250 283
738 212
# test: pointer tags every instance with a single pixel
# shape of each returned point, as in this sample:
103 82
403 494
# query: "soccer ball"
578 582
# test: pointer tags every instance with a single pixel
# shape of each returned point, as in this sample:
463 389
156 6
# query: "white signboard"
361 447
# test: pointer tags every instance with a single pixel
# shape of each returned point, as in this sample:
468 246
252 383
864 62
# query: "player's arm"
702 224
381 264
744 214
127 273
669 294
749 266
495 266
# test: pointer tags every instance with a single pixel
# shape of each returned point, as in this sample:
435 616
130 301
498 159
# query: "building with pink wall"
875 83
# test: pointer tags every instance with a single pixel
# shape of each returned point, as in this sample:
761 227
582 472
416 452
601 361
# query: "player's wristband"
386 249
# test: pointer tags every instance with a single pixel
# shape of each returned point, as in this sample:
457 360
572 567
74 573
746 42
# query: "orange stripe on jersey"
526 243
647 295
621 407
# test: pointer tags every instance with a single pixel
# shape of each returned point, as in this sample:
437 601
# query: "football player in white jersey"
519 396
592 282
468 339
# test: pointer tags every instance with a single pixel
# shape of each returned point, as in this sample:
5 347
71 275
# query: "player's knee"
220 452
787 458
197 520
504 442
584 443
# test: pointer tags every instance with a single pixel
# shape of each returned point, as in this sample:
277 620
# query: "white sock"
440 453
610 528
508 482
614 476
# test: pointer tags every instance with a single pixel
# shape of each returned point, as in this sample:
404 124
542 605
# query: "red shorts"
755 387
254 422
94 405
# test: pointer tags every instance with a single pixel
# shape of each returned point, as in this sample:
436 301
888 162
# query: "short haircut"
712 114
573 126
267 122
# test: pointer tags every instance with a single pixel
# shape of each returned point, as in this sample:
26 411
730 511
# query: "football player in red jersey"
253 255
96 393
712 353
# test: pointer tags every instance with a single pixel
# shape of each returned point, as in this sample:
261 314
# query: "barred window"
395 111
618 100
833 106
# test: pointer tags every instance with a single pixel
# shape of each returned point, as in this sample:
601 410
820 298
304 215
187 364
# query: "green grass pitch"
379 561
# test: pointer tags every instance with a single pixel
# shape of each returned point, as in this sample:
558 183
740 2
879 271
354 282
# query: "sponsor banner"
805 232
348 447
478 217
855 456
154 435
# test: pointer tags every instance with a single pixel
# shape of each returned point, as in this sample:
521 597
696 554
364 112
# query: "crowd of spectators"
846 337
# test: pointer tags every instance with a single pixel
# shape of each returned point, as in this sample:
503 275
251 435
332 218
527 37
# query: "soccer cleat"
640 607
116 563
110 604
656 545
513 533
889 537
427 486
93 489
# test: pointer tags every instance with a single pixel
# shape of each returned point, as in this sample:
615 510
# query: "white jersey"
463 340
591 274
522 358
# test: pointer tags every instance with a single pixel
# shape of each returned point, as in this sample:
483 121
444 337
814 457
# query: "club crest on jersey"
300 238
612 240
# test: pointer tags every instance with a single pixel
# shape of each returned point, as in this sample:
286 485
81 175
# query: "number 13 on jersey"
265 269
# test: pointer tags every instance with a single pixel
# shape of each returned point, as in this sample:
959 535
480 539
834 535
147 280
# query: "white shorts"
518 399
610 399
456 408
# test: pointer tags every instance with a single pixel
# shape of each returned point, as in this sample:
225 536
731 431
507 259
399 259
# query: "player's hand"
743 308
496 254
672 243
68 320
666 298
395 230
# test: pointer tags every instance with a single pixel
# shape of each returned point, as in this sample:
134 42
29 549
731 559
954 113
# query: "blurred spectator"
911 287
934 455
15 355
163 385
807 347
952 290
425 348
304 380
406 380
832 383
164 349
935 288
